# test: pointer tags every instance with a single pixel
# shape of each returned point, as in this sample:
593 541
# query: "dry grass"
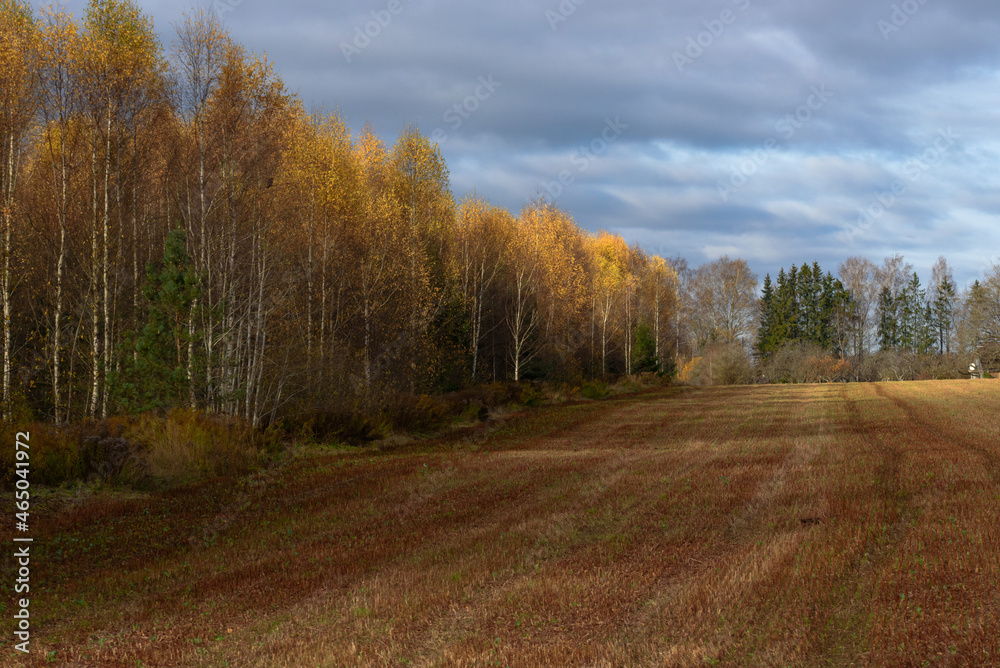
756 526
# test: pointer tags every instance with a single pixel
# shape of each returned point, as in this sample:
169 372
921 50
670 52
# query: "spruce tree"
789 306
766 339
927 333
837 307
644 357
943 317
805 302
914 298
887 321
156 375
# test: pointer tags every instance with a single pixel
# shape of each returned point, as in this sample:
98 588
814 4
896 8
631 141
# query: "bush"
804 362
107 453
595 389
187 444
721 364
501 394
689 371
531 395
54 455
421 414
90 450
344 424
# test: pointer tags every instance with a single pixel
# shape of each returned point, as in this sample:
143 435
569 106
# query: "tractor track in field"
929 429
673 577
840 647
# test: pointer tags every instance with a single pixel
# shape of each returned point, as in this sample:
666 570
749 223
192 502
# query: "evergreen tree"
644 357
766 336
887 321
788 307
806 299
927 331
943 316
837 309
912 311
806 305
156 374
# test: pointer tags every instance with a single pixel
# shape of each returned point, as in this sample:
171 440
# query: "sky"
779 131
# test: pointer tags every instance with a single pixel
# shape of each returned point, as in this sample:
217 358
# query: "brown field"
756 526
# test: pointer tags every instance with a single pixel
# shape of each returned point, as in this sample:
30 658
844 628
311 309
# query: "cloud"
658 183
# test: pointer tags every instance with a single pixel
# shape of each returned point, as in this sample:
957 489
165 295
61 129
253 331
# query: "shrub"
531 395
687 373
187 444
346 424
595 389
54 455
721 364
420 413
107 453
501 394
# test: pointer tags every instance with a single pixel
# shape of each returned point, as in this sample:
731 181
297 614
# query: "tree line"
877 310
178 231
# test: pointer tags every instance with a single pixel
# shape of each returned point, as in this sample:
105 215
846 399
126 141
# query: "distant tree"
767 341
807 307
726 296
684 311
785 315
887 320
912 313
809 299
985 304
860 278
837 309
928 335
942 295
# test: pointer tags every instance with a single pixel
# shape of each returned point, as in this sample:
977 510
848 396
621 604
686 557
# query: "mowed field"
808 525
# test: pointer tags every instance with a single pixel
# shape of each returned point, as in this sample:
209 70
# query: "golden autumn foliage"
319 268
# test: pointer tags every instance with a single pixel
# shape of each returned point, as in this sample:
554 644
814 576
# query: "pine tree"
805 303
157 375
927 331
837 307
887 321
786 321
766 338
913 300
943 317
644 351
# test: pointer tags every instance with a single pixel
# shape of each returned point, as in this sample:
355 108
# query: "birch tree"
18 106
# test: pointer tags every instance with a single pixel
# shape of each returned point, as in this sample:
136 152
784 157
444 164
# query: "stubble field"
809 525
